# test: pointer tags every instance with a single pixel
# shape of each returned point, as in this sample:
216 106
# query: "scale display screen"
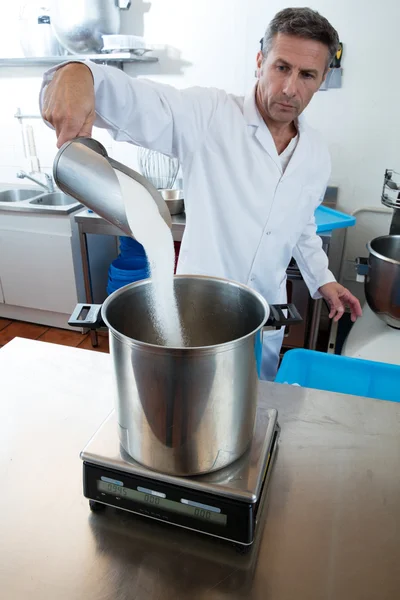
154 499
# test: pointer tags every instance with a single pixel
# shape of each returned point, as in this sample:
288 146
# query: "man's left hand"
338 297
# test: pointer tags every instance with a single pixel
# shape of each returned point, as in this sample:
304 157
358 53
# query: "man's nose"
290 86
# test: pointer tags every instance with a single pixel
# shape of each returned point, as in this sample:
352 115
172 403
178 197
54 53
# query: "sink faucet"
48 186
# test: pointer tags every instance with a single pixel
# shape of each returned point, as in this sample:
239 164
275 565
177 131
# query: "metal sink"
54 199
30 200
18 195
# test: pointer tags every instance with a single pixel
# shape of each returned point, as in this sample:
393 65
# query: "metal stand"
87 280
315 320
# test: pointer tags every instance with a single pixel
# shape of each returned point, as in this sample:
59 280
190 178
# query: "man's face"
289 76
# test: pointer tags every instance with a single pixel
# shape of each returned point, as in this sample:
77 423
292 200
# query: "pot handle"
87 315
277 318
362 268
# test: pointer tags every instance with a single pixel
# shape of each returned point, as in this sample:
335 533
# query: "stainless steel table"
332 523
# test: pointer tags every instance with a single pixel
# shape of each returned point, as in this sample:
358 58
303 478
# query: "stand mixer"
376 335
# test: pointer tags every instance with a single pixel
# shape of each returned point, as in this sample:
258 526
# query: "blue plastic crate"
334 373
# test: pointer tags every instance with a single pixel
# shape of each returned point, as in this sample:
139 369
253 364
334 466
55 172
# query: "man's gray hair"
304 23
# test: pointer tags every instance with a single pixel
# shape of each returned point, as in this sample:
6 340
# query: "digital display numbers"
157 499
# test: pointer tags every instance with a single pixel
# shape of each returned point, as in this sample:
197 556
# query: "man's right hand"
69 102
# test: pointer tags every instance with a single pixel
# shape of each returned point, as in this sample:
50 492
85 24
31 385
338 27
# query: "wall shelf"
117 59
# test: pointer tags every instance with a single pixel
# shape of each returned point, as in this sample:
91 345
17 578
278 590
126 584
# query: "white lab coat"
245 219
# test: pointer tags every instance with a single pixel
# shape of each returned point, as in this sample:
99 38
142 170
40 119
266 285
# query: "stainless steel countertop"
93 223
332 522
90 222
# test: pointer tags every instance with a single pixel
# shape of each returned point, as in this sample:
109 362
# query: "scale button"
113 481
200 505
151 492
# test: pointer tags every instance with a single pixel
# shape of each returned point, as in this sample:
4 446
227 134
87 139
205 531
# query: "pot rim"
382 256
187 350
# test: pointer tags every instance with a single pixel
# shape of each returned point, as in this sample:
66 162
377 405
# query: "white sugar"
150 230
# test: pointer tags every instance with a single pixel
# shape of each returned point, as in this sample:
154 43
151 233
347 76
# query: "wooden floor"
11 329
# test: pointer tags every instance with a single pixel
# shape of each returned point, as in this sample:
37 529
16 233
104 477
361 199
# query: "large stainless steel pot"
80 24
186 410
382 281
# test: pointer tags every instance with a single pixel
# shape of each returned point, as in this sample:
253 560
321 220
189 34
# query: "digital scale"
225 504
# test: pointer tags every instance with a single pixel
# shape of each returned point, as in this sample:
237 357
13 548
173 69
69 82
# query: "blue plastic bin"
335 373
128 247
131 265
126 270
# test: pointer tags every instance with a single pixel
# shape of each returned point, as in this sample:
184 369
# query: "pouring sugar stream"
149 229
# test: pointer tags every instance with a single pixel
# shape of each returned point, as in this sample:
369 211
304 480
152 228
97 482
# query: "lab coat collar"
250 111
303 148
255 121
263 134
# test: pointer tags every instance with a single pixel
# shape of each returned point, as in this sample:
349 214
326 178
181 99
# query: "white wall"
214 42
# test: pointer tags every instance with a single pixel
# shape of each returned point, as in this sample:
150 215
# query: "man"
253 171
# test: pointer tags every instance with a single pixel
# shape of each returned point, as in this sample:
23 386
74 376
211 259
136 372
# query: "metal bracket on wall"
333 80
334 76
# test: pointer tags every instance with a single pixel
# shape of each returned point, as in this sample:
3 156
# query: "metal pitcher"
83 169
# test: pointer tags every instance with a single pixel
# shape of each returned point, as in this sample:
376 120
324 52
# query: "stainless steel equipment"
225 504
382 281
190 410
48 186
391 198
161 170
174 201
83 169
80 24
380 272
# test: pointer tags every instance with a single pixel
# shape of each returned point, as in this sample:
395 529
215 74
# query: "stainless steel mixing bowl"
382 283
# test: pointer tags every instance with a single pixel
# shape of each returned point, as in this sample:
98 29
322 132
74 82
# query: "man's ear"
260 60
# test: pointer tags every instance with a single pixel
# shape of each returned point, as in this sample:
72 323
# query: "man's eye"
308 75
282 68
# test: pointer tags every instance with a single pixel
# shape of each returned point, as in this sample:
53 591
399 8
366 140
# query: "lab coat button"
268 232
